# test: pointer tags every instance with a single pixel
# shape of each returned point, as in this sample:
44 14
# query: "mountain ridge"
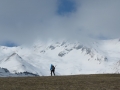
76 57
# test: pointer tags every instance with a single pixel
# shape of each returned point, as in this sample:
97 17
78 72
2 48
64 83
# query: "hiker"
52 69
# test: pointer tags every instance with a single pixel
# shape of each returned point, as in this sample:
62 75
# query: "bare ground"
75 82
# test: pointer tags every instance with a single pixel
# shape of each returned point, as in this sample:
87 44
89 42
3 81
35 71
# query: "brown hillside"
76 82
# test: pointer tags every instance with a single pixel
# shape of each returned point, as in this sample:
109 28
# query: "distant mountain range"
5 73
70 58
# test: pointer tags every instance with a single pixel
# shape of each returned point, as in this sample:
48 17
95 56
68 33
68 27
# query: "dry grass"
76 82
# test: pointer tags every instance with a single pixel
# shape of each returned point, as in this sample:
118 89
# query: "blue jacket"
51 67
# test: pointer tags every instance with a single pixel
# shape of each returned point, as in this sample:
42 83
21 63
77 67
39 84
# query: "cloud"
100 17
24 21
20 18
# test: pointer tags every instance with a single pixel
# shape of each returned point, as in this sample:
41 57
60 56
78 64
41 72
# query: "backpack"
53 67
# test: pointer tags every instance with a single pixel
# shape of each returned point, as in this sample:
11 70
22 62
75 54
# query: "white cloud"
24 21
19 18
100 17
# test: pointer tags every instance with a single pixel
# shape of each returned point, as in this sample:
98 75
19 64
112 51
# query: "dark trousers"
53 71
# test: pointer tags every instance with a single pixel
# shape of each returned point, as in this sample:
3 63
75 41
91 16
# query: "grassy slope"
77 82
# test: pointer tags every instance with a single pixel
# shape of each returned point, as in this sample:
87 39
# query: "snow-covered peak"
14 63
68 57
14 56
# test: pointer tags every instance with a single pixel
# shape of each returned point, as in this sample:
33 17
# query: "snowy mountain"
16 64
5 73
68 57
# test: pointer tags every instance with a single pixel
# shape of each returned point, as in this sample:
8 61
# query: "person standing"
52 69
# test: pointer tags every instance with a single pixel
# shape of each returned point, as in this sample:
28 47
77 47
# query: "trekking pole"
55 65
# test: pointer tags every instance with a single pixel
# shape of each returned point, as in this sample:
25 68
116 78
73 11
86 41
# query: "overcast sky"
24 21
